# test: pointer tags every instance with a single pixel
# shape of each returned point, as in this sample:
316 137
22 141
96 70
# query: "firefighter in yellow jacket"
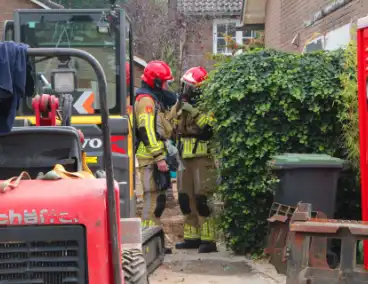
197 182
155 111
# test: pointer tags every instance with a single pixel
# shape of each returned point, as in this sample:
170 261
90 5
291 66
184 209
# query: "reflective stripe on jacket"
190 128
188 147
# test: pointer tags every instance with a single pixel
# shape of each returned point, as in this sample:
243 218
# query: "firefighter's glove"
162 166
162 179
189 108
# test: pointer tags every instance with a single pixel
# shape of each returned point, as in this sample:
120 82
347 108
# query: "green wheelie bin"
310 178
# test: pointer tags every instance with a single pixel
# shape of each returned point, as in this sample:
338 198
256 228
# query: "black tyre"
134 267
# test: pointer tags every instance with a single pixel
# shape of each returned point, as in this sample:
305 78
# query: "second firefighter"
197 182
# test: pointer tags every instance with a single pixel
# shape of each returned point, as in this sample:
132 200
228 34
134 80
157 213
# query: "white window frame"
321 38
238 36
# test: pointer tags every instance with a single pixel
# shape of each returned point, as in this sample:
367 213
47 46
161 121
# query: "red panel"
363 124
115 147
66 202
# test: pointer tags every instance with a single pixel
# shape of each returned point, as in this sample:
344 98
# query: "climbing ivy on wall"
349 94
348 198
268 102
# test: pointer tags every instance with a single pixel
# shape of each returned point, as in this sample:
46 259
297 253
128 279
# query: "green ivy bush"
348 195
268 102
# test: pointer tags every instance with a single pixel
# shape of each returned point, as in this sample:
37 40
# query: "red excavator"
107 36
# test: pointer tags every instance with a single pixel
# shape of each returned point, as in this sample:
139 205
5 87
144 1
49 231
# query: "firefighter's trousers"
196 185
154 202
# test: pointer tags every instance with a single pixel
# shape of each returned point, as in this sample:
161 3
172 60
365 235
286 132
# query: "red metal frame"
45 108
307 249
363 120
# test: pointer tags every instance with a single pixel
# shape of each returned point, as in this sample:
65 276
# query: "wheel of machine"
134 267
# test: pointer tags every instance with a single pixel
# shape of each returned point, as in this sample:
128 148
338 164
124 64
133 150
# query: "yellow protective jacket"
190 128
154 126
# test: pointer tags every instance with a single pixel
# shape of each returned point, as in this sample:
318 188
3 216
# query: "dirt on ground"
216 268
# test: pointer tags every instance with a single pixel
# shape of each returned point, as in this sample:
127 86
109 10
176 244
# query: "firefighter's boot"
192 238
188 244
208 237
207 247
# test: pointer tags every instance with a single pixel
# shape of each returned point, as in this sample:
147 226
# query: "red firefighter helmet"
156 73
127 73
194 76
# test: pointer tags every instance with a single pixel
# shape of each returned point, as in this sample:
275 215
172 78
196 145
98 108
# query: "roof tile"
210 7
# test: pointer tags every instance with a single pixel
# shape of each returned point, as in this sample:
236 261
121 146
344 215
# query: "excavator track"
153 247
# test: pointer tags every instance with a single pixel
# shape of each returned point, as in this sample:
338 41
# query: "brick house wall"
200 32
199 46
273 23
7 8
285 18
